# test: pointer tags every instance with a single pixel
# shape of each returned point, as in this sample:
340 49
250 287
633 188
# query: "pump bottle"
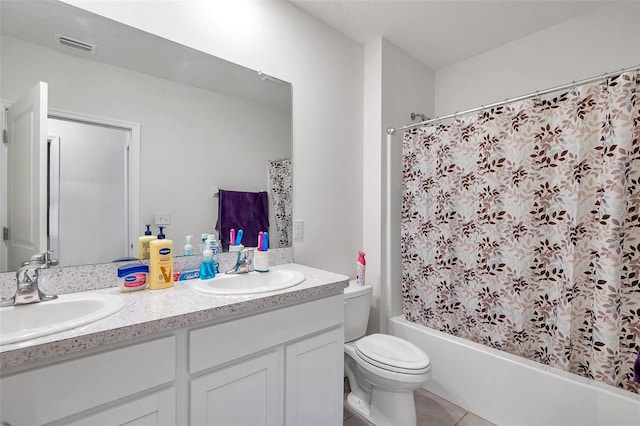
160 262
143 243
188 247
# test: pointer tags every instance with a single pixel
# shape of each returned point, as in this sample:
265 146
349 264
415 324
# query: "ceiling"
442 32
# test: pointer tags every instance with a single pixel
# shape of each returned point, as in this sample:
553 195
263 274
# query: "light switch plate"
163 218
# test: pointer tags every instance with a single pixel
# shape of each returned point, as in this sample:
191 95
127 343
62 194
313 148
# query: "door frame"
133 169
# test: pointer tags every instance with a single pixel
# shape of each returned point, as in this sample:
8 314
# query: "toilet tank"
357 302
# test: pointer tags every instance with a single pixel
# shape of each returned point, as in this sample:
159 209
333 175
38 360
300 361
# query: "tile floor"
431 410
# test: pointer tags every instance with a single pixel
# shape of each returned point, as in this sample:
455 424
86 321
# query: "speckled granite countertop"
151 311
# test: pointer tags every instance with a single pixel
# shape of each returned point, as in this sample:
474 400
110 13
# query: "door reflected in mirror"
204 123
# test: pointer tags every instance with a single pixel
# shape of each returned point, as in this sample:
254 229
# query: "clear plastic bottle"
212 244
188 247
203 243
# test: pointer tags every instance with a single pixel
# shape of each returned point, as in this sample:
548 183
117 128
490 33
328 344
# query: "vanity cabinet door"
80 386
248 392
157 409
313 382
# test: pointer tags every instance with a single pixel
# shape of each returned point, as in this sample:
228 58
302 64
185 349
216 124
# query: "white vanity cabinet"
275 367
130 385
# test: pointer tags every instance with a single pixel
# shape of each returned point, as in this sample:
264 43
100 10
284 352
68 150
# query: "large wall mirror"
156 126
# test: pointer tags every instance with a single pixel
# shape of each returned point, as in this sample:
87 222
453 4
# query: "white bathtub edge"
509 390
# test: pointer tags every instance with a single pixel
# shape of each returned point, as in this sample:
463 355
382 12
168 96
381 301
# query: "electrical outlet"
298 229
163 218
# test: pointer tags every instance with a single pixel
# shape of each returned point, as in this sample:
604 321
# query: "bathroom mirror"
204 123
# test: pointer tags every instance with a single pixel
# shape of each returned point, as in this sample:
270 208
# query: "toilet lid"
392 353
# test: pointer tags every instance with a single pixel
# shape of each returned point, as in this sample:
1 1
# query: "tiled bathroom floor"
431 410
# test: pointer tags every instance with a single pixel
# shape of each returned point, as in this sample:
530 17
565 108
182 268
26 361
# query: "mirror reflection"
188 124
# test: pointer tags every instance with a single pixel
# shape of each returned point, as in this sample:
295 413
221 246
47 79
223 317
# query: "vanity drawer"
217 344
50 393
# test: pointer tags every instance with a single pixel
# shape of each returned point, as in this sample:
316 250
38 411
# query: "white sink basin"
250 283
18 323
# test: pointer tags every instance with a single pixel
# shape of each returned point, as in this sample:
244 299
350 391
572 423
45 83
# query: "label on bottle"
360 274
135 280
145 250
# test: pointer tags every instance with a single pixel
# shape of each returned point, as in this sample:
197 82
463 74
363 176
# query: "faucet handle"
244 262
49 260
42 258
246 254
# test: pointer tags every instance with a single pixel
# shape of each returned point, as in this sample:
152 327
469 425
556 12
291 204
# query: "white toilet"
383 370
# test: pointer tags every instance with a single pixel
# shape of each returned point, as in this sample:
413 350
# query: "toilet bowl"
383 370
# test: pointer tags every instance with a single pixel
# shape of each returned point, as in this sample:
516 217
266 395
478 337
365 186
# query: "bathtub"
510 390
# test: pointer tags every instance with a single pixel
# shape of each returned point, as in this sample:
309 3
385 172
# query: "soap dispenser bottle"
207 268
143 243
188 247
161 262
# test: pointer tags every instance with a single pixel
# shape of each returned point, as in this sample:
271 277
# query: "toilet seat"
392 354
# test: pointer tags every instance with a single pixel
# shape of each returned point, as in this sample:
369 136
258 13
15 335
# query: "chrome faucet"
27 290
244 263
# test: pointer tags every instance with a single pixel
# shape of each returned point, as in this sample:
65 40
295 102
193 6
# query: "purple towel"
636 368
248 211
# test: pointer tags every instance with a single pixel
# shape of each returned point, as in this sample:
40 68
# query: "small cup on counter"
261 261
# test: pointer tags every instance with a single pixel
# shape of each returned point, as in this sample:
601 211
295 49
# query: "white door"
27 176
88 192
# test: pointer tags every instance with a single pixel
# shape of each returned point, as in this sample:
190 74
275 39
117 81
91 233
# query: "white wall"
325 68
396 84
601 41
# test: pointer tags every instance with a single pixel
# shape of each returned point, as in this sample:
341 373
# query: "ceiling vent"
76 44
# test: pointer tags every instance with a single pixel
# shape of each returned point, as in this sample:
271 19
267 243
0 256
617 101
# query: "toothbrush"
239 237
265 241
260 240
232 236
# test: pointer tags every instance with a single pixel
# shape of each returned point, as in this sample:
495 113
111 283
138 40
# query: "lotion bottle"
143 243
360 268
161 262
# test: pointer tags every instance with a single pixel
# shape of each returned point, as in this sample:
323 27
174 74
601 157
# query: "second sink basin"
250 283
24 322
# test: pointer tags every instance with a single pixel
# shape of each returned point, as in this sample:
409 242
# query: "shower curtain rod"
391 130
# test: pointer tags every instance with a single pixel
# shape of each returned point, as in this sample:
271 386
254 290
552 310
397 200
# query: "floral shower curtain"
521 229
280 187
